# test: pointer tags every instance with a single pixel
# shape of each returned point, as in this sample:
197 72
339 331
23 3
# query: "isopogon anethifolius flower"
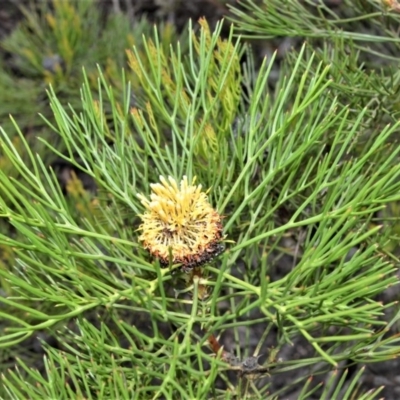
179 222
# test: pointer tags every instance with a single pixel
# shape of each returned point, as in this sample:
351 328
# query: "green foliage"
51 45
313 160
218 88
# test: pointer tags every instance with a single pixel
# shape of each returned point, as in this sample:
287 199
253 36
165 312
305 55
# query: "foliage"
50 46
312 161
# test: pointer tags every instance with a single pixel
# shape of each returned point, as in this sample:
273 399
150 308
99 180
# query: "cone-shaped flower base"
179 222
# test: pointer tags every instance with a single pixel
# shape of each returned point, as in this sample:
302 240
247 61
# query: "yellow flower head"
180 221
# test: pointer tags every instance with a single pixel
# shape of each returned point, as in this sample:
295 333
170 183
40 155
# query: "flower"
179 222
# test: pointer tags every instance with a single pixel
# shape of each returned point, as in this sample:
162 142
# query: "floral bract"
179 222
